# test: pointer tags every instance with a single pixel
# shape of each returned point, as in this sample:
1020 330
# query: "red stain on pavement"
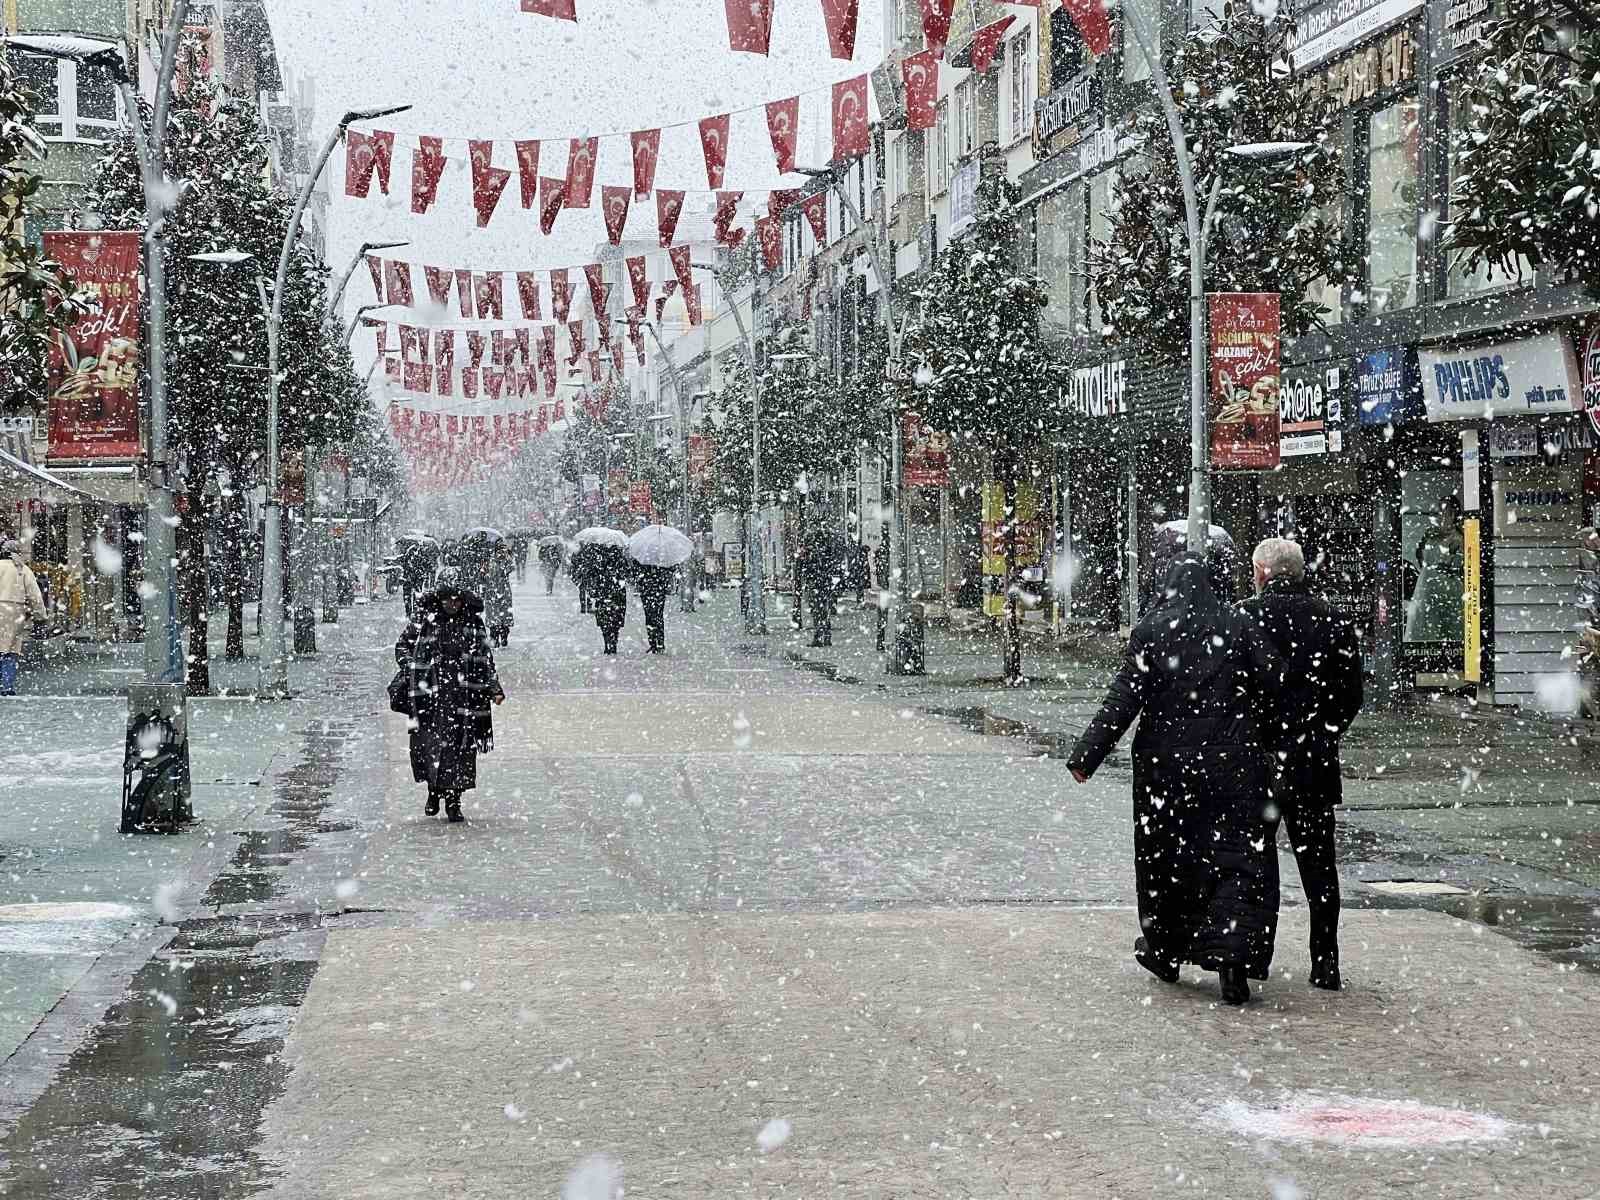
1357 1121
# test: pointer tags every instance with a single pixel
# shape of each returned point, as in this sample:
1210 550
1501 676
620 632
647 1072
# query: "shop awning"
108 483
37 480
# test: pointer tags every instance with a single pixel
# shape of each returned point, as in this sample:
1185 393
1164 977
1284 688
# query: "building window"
75 102
1022 85
1459 281
40 76
966 105
939 150
1393 176
1059 254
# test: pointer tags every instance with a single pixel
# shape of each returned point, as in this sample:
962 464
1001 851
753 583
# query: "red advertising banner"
639 497
94 366
1590 347
617 486
926 453
700 451
1244 380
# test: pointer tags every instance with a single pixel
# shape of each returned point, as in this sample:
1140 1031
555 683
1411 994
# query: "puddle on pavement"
1565 929
976 719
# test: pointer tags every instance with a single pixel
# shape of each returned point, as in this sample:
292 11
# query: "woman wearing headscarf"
1200 678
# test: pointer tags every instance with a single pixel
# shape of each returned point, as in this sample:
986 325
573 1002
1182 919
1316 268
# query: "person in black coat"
1322 695
1200 678
446 659
654 585
823 566
606 574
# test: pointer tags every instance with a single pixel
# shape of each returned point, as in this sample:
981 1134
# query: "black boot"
1325 970
431 808
1167 972
452 810
1235 987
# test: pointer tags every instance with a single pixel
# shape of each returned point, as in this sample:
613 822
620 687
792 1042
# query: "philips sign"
1534 375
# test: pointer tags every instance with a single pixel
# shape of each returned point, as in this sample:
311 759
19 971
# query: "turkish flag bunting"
783 126
779 201
691 301
614 203
727 214
528 172
524 350
581 154
427 166
639 277
560 411
464 293
616 356
595 275
488 180
669 204
851 138
635 317
840 17
444 357
668 288
661 305
921 73
575 339
602 320
1092 22
547 358
560 293
528 295
412 344
815 208
714 144
646 149
440 280
418 377
681 266
398 277
561 10
391 368
594 366
375 265
987 41
552 196
490 294
501 343
749 25
383 333
493 380
475 348
469 383
363 154
541 423
936 24
771 239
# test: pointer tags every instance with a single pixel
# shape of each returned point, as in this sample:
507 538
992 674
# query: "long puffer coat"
453 683
1200 678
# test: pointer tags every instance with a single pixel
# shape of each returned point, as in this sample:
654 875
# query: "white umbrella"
554 539
660 546
599 535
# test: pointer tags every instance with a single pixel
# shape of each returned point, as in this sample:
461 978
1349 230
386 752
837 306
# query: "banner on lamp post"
926 453
700 452
94 365
1244 380
639 497
617 486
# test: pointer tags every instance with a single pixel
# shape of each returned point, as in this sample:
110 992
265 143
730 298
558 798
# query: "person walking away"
550 565
860 570
445 655
880 558
1322 695
519 557
1200 679
607 574
21 601
655 585
500 613
581 568
820 571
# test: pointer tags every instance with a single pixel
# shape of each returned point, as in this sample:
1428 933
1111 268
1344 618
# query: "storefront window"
1392 189
1431 553
1459 281
1059 255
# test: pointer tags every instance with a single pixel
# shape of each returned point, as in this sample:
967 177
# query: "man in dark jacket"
823 566
1322 695
1201 679
607 575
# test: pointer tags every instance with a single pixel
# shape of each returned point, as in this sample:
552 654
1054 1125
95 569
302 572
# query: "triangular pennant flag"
815 208
528 295
921 74
602 320
581 153
635 317
783 127
639 277
691 302
727 214
397 275
616 356
714 145
444 357
524 347
439 281
375 265
770 236
780 200
646 149
561 10
840 18
594 366
552 196
489 292
669 204
475 347
365 153
575 339
614 204
560 293
488 180
1092 22
528 172
661 304
749 25
464 296
936 24
681 266
986 41
501 345
851 137
595 275
427 167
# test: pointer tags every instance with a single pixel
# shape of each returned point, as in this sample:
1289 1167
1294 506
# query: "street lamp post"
350 330
344 280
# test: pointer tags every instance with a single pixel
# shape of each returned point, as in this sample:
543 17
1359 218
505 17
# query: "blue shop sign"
1388 386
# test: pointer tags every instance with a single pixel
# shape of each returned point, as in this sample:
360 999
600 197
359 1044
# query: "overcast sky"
487 70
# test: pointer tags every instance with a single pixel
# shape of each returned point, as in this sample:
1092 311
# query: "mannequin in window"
1435 613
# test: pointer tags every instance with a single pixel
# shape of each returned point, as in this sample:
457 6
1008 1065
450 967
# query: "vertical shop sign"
927 453
995 525
94 365
1244 380
701 448
1591 374
1471 613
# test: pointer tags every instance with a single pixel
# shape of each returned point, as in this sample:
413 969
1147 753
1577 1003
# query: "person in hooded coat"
1200 678
445 656
607 574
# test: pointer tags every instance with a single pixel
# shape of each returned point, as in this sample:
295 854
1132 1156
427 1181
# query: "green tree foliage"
1527 180
1273 228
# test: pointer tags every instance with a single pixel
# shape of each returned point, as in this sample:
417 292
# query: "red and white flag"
444 358
594 366
986 42
524 351
375 265
921 74
489 290
770 236
646 150
840 17
528 172
635 317
669 205
614 204
639 277
714 145
851 137
528 295
464 293
575 339
815 208
488 180
783 127
691 303
474 348
560 293
616 356
552 197
681 266
595 275
427 167
397 276
780 200
365 153
936 24
440 281
727 214
749 25
561 10
581 153
1092 22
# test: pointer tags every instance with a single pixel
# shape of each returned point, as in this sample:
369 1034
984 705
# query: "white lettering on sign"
1099 391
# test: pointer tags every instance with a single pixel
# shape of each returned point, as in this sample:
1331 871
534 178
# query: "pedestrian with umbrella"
658 550
446 685
419 563
486 567
551 552
1202 680
606 570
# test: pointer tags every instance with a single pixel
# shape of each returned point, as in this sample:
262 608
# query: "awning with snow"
37 480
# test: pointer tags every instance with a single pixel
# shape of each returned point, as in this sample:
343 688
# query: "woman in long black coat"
607 574
1201 679
446 656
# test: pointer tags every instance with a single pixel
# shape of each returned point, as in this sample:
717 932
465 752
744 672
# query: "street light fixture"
344 280
350 330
